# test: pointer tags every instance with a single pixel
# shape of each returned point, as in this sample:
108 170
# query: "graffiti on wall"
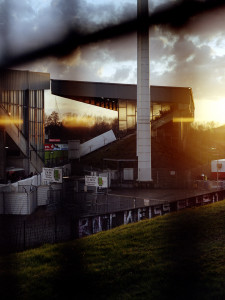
94 224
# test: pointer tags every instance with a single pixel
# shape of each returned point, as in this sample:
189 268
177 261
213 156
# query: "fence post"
55 229
134 202
24 234
3 195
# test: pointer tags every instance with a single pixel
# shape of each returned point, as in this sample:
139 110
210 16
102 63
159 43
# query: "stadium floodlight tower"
143 95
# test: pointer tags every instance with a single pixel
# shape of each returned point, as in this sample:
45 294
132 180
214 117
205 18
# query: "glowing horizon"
210 111
205 110
78 121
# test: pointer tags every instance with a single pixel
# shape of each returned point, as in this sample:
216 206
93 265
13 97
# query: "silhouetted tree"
52 119
82 130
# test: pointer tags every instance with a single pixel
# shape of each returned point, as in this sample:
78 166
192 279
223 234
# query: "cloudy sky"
192 56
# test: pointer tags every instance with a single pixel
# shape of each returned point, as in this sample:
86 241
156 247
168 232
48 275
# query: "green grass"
177 256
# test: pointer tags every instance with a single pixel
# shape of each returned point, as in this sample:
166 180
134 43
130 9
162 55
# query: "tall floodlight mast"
143 95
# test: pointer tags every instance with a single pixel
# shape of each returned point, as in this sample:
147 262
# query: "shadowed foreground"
177 256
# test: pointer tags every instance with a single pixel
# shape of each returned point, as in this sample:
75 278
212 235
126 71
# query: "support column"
143 95
26 132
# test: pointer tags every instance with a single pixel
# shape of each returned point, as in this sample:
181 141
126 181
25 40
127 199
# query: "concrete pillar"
143 95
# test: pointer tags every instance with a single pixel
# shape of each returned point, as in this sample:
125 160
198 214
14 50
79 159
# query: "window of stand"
36 121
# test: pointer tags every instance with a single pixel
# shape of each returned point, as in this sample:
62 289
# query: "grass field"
177 256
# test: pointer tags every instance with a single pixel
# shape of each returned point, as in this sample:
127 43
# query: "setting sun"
210 110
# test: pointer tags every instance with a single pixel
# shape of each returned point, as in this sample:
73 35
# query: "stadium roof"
11 79
93 92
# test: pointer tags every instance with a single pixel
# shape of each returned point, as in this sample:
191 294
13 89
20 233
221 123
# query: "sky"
192 56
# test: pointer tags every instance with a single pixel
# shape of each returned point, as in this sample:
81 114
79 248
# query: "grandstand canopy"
107 95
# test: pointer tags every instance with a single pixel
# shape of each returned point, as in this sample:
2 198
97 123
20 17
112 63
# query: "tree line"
75 127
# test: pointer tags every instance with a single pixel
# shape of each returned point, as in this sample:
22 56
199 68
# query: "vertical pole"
143 95
24 234
55 223
217 177
27 130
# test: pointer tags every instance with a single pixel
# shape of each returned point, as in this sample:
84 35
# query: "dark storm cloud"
194 67
184 61
107 13
115 50
191 47
27 28
85 63
121 74
184 49
207 24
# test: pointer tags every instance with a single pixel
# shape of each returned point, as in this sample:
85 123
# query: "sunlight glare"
8 121
210 110
78 121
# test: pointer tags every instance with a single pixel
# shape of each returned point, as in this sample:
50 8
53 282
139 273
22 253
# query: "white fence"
24 196
18 203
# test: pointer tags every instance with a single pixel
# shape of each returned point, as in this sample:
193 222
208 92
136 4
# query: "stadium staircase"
17 136
162 120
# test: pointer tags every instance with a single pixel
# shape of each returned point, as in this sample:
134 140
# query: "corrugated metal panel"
42 195
128 173
23 80
73 149
32 198
14 80
16 204
39 81
159 94
56 186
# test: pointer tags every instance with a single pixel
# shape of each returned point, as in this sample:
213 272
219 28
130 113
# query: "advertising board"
56 147
52 174
97 181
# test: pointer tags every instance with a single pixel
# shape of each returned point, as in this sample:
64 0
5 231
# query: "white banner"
102 182
52 174
91 180
97 181
47 174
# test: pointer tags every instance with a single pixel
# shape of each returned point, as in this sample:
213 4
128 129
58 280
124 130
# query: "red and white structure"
218 169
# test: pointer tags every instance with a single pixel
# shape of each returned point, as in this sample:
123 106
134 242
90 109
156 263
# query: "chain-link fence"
87 204
18 233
